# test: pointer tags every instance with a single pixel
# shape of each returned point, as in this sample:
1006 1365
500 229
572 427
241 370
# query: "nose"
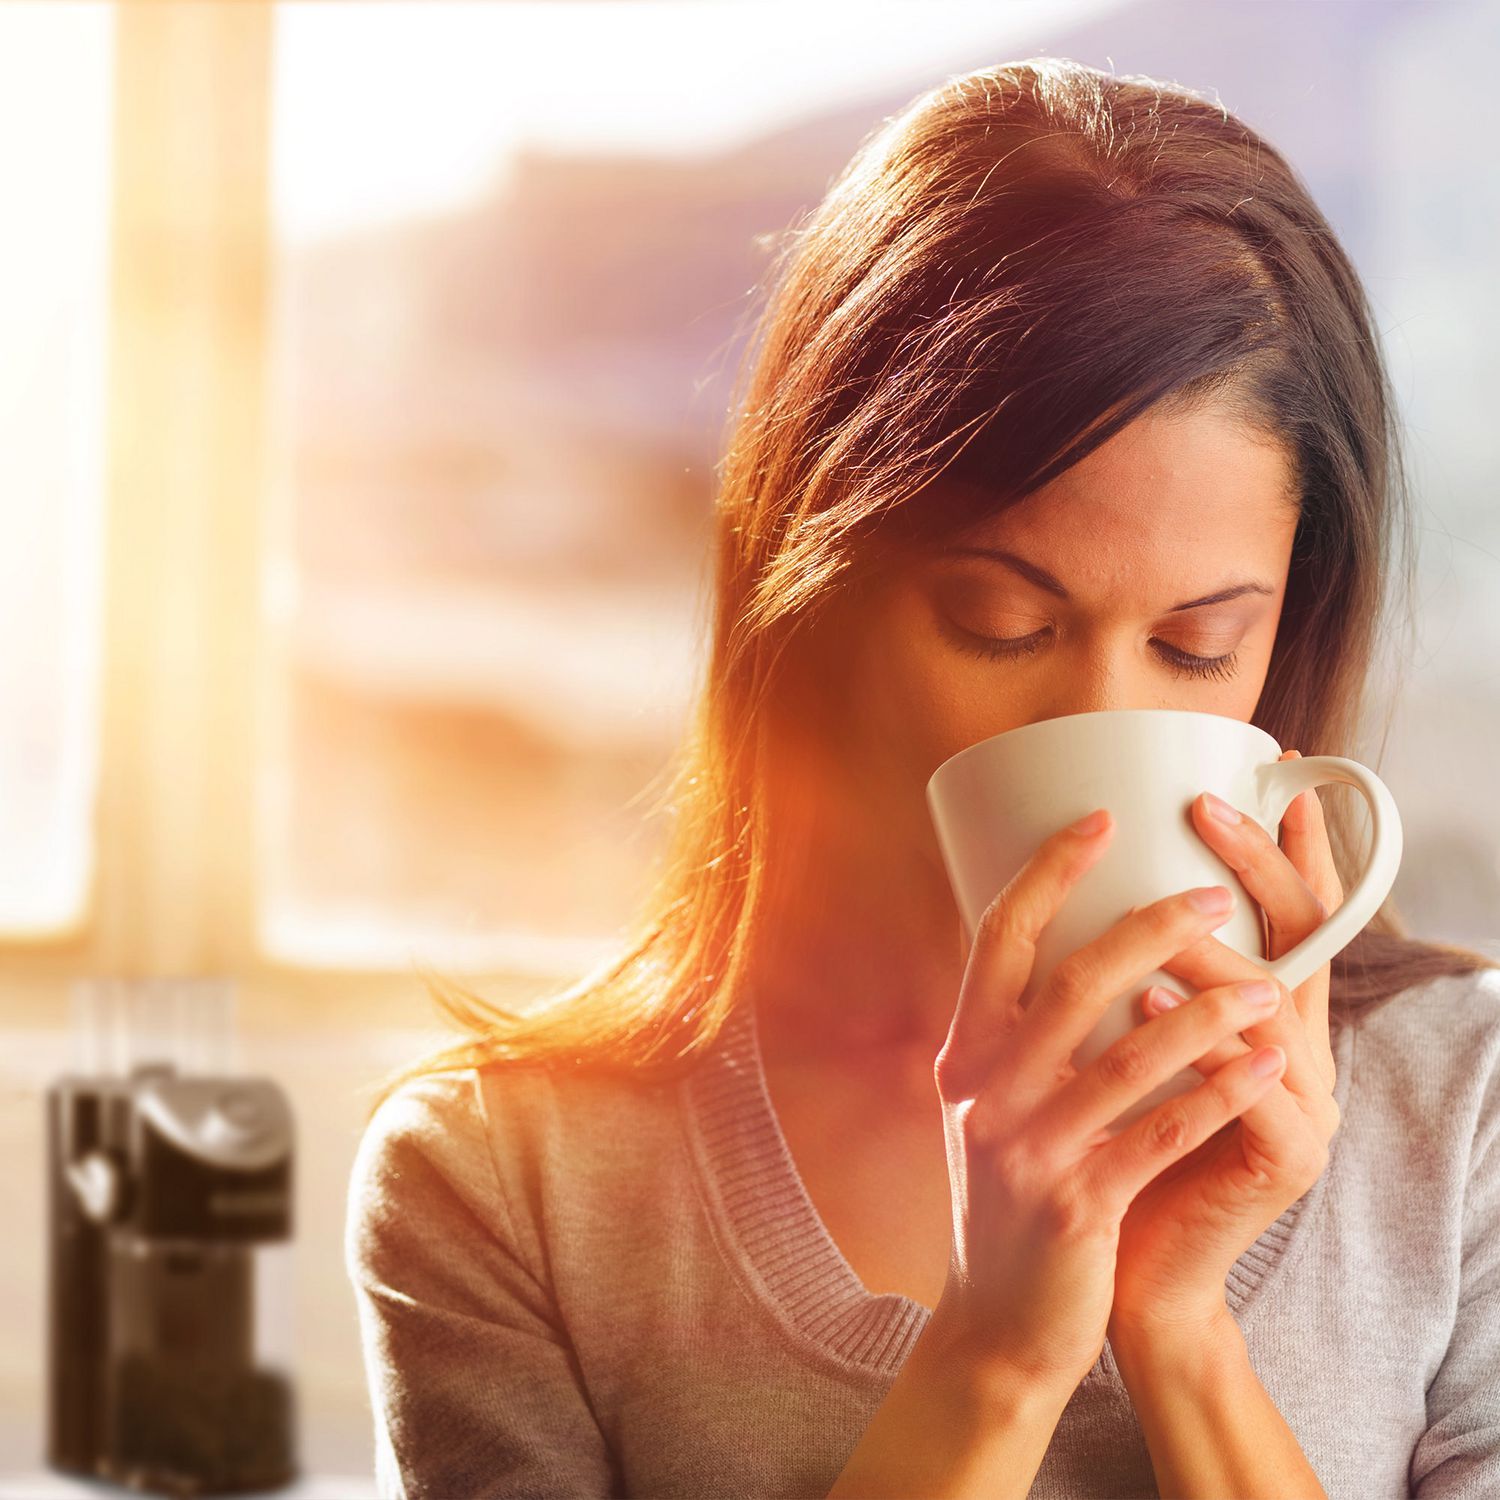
1078 694
1103 678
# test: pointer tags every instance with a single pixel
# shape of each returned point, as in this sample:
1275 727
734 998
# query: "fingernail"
1265 1063
1161 999
1259 992
1093 823
1210 898
1221 810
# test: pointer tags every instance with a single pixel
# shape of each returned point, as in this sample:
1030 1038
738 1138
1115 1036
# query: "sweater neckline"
773 1235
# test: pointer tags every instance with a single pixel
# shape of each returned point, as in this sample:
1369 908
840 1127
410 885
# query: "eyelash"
1182 663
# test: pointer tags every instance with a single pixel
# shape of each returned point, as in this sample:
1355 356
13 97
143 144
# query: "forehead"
1163 485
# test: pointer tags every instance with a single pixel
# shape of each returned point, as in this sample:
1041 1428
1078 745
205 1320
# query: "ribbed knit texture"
573 1286
783 1245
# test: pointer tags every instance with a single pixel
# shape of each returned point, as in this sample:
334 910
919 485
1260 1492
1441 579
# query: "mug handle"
1277 782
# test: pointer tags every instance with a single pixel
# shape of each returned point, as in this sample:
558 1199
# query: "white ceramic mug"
995 802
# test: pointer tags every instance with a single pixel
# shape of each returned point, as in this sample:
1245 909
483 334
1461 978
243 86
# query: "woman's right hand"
1039 1185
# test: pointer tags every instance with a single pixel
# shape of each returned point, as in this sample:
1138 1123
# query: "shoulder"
431 1123
1432 1053
421 1166
1453 1016
477 1149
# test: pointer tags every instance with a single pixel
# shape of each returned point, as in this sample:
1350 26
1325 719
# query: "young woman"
1067 399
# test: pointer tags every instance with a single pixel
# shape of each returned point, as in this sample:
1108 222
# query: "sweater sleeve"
474 1386
1458 1456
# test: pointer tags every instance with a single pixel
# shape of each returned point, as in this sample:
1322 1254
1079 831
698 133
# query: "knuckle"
1067 1209
1182 913
959 1074
998 914
1229 1086
1125 1061
1009 1157
1296 1173
1310 1161
947 1069
1158 918
1168 1131
1016 1163
1073 979
1228 1010
983 1133
1258 1183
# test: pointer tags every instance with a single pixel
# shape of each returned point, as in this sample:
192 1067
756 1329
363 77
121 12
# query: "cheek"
913 702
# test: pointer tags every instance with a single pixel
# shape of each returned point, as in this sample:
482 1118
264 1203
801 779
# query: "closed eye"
1180 663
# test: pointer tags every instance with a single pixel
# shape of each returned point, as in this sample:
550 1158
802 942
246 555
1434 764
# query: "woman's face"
1103 559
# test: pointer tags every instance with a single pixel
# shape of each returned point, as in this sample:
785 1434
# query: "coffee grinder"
170 1223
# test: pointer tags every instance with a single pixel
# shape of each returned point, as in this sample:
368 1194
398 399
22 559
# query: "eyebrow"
1044 580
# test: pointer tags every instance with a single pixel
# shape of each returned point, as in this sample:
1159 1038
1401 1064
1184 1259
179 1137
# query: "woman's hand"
1186 1228
1039 1185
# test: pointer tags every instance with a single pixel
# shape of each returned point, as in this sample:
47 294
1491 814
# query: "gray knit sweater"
578 1286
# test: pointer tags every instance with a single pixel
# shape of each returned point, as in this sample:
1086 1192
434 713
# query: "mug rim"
1095 713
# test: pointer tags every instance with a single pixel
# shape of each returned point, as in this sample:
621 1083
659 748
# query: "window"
55 75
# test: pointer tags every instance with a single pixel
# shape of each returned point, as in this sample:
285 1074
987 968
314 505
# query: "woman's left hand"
1185 1230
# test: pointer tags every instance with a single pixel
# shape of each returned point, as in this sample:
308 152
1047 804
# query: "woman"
1067 399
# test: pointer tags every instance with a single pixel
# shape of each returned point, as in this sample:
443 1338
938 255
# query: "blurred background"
366 367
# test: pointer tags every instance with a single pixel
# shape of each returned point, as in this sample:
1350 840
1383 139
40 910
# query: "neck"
862 950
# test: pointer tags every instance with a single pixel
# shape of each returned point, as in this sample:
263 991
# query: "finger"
1293 909
1280 1125
1149 1055
1304 841
1297 1044
1067 1008
1113 1175
1276 1133
1209 963
1004 951
1159 1000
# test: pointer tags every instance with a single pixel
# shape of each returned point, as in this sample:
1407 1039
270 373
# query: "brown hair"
1008 271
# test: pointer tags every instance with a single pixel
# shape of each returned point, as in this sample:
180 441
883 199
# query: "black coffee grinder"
170 1220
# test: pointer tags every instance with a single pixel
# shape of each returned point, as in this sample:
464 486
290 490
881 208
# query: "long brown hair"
1008 271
